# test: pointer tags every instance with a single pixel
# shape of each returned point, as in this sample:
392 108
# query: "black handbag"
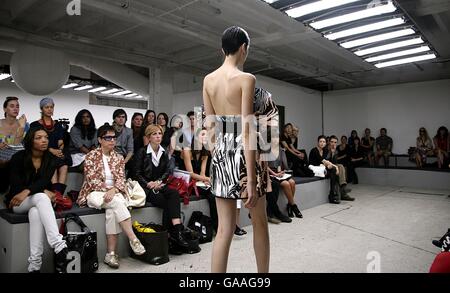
156 245
82 246
202 224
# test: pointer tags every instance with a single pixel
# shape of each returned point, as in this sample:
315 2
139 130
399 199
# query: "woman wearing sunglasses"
104 188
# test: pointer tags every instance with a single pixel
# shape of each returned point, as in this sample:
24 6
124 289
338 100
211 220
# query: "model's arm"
248 92
209 112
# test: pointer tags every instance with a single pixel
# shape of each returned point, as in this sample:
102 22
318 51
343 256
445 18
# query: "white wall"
401 108
67 104
302 106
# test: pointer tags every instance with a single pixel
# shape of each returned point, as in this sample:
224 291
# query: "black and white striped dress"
228 168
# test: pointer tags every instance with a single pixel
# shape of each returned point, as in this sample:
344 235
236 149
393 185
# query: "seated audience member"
292 154
136 126
343 152
104 188
331 157
83 137
163 121
442 146
277 171
384 147
353 135
31 176
302 169
356 160
124 145
152 169
149 119
317 158
197 161
12 131
56 146
424 147
367 143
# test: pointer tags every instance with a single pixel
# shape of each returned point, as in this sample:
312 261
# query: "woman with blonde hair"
424 147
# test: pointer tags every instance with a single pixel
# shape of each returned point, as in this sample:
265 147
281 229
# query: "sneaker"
137 247
112 260
273 220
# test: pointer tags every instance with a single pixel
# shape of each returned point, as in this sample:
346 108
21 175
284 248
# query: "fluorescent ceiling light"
389 46
399 54
4 76
102 88
378 38
70 85
111 91
270 1
378 10
315 7
406 60
365 28
86 87
139 97
122 93
131 95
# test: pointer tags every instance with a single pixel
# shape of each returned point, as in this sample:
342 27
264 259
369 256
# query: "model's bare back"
224 90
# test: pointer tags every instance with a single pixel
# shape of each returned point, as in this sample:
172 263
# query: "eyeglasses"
109 138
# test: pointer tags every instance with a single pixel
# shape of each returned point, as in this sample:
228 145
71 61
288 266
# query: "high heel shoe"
296 211
290 212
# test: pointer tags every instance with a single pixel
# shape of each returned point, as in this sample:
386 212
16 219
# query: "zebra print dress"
228 168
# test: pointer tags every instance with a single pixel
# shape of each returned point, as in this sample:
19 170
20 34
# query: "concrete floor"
391 224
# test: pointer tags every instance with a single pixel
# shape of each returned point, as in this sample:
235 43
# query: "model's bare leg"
226 211
261 243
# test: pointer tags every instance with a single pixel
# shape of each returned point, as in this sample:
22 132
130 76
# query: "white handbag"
136 194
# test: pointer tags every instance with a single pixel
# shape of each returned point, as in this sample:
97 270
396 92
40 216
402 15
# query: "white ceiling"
185 35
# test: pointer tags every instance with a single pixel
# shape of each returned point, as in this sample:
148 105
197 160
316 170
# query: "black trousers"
212 206
272 199
168 200
334 182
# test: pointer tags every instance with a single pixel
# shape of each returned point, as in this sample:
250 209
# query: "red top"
441 263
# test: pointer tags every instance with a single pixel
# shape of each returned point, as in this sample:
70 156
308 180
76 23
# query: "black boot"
334 198
296 211
176 235
290 212
61 261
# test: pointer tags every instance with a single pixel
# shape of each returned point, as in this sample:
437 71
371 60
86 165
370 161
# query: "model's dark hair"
190 113
47 157
333 137
86 132
105 129
233 38
385 130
